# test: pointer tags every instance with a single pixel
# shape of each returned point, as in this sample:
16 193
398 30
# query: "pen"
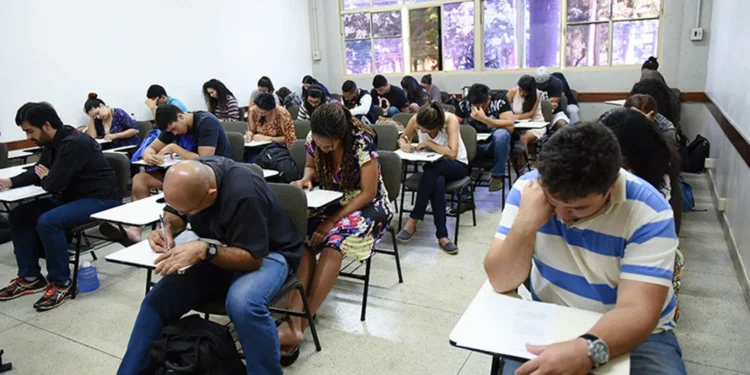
163 231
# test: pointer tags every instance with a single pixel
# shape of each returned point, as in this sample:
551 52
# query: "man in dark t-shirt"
199 134
552 90
391 98
489 113
258 248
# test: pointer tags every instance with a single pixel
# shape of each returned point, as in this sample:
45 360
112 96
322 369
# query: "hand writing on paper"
304 184
41 171
422 146
180 257
110 137
156 240
405 146
153 159
564 358
168 150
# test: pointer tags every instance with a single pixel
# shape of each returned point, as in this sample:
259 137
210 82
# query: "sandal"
289 359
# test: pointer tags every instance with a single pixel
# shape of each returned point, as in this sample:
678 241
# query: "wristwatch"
211 252
598 349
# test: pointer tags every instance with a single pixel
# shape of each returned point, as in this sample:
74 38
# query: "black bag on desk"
195 346
697 152
277 157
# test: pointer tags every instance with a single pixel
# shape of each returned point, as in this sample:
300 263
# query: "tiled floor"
407 325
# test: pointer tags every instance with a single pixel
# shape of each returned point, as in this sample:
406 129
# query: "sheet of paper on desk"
506 325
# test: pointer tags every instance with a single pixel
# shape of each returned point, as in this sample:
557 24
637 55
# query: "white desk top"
618 103
139 213
31 149
256 143
17 154
168 162
11 171
141 255
531 125
269 173
121 149
19 194
102 141
419 156
499 324
483 136
319 197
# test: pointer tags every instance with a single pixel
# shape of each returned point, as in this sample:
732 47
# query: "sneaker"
497 183
54 296
19 287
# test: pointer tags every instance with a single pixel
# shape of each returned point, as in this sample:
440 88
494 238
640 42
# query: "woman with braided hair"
341 157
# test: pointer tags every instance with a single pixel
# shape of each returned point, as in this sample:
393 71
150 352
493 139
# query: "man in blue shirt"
157 96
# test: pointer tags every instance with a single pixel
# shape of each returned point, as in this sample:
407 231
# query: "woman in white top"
526 101
438 131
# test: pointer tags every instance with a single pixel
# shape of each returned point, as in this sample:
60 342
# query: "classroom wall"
683 62
726 85
59 51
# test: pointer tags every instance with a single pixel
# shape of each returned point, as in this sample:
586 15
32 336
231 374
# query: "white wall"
727 86
683 62
59 51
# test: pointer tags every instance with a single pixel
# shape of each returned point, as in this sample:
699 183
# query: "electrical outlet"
696 34
722 205
316 55
709 163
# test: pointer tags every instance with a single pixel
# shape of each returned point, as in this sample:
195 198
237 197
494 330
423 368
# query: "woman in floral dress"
341 157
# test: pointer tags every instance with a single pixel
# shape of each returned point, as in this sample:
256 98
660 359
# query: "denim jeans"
660 354
392 111
39 228
247 300
498 146
432 189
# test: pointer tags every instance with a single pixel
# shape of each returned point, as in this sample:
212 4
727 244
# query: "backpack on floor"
697 152
277 157
195 346
688 202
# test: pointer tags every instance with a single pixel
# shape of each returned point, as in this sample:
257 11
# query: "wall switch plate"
709 163
722 205
316 55
696 34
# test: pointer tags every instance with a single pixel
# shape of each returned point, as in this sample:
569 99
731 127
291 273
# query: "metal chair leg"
74 284
474 209
148 280
367 288
93 255
401 212
395 254
458 222
309 316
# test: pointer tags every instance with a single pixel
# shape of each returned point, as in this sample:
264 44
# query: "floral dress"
356 234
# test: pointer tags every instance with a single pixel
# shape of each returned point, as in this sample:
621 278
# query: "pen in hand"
164 233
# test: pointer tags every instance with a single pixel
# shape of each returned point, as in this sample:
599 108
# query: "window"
611 32
439 35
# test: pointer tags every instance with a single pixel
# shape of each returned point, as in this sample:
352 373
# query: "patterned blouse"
231 112
364 147
121 122
282 125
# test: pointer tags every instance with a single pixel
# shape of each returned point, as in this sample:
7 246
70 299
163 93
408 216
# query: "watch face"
599 352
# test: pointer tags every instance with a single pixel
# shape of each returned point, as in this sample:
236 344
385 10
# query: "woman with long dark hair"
112 124
309 81
313 98
264 85
663 96
416 95
526 102
438 131
433 92
220 101
341 157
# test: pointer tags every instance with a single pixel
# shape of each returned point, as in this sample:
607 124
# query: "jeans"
39 228
247 302
392 111
432 189
660 354
573 115
497 147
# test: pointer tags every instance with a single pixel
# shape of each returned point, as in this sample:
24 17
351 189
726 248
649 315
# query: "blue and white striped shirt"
581 264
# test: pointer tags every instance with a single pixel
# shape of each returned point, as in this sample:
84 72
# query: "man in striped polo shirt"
598 238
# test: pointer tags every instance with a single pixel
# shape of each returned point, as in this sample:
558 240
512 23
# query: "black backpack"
277 157
697 152
195 346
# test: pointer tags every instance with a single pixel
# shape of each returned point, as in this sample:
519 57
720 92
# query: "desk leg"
148 280
497 366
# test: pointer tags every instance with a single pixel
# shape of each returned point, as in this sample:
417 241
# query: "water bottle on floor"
88 281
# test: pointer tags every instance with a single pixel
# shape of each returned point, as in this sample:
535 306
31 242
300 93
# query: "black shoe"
465 205
54 296
20 287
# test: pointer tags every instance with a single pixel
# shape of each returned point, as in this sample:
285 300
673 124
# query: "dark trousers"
432 189
39 228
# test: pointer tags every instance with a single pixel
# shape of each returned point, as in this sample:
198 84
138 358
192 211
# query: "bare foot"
134 233
289 337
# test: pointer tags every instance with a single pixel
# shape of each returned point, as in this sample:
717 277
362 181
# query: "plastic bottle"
88 280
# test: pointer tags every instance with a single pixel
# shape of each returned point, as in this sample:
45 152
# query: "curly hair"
647 154
661 93
580 160
333 121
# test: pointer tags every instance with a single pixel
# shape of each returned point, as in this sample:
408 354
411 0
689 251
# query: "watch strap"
589 337
210 255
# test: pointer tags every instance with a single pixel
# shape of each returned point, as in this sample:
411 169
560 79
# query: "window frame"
479 58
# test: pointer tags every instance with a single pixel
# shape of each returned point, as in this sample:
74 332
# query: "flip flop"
110 231
289 359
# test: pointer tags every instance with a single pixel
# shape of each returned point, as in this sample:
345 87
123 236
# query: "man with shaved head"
229 203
